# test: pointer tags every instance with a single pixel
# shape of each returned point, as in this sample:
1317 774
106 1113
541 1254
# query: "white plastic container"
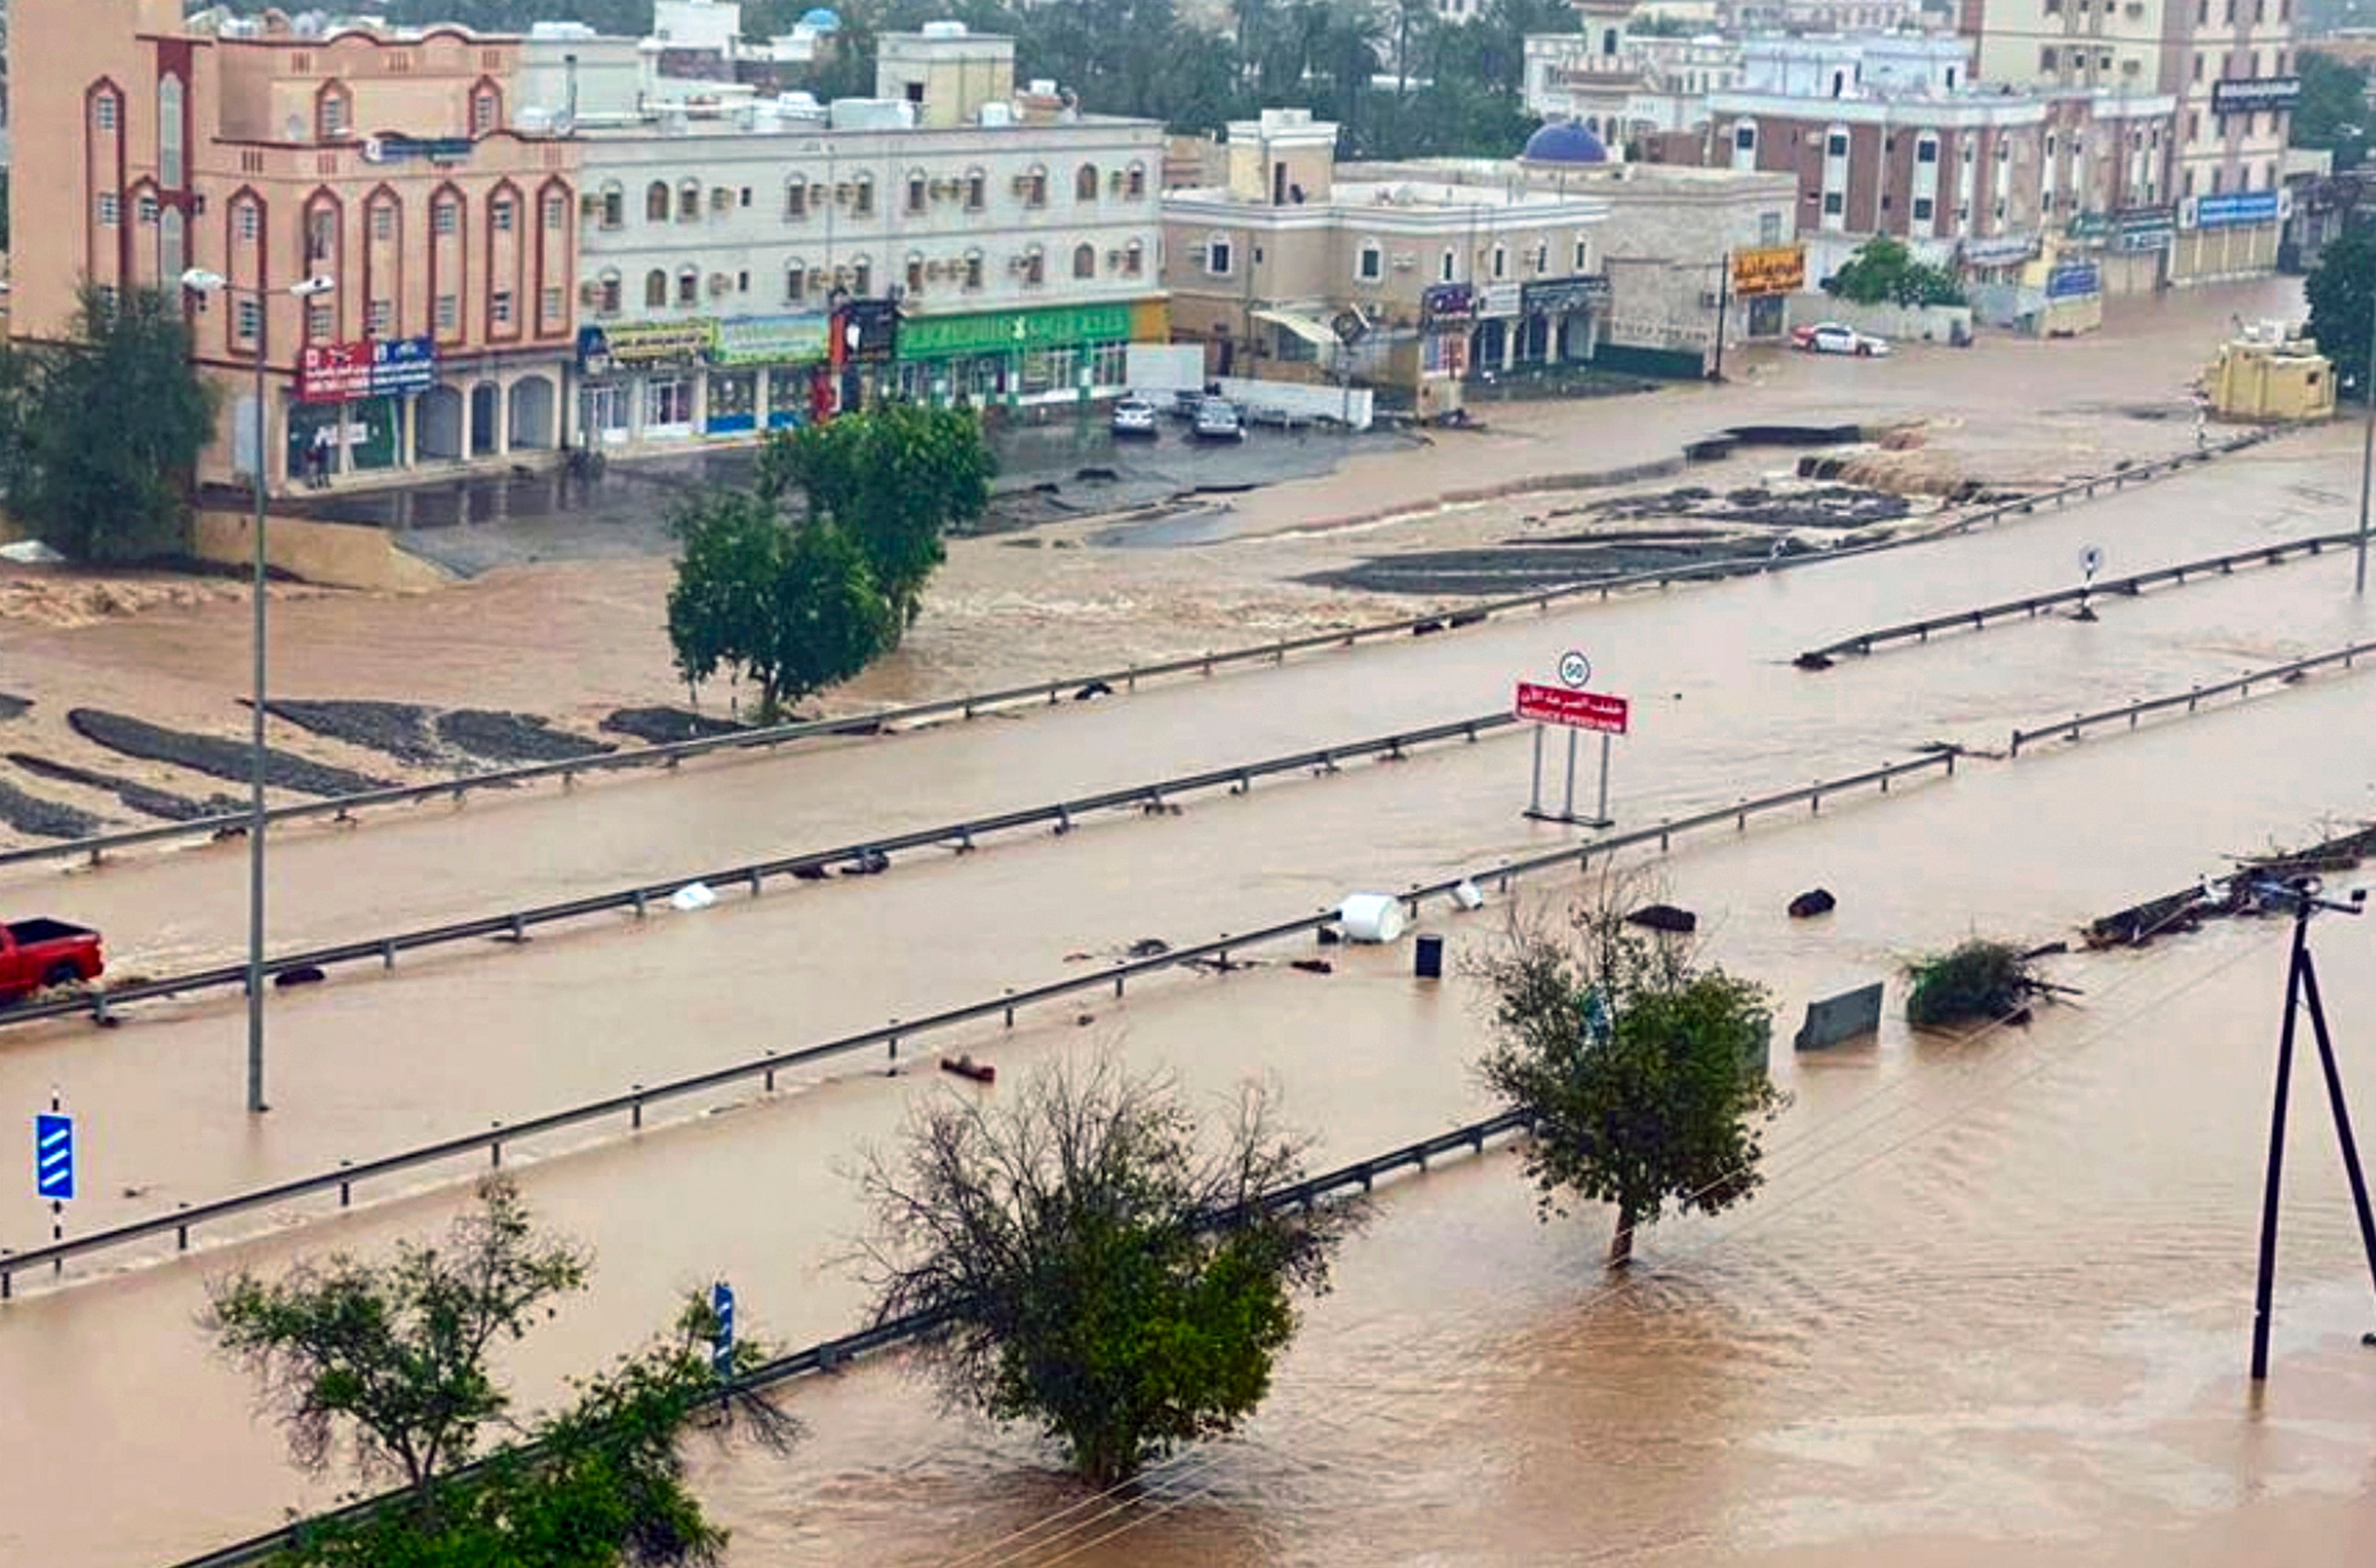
1372 917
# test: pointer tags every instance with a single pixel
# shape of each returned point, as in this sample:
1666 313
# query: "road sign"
53 1156
2091 560
1573 710
1575 670
721 1346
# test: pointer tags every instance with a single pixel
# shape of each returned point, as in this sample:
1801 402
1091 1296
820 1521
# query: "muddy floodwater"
1991 1307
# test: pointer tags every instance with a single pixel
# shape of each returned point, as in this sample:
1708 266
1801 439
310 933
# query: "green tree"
1103 1270
2342 294
395 1357
1644 1072
896 479
1884 271
2334 114
792 609
113 423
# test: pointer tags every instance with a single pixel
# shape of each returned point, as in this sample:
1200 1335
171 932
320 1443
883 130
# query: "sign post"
721 1346
2091 561
54 1165
1572 709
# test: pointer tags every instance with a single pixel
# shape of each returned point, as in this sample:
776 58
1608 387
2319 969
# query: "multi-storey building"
1620 85
1012 240
384 163
2227 65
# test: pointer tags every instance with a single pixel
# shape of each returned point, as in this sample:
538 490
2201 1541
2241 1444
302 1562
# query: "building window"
1583 262
1923 208
607 294
656 202
688 202
654 290
1769 228
146 206
102 112
501 214
688 287
1370 264
111 209
1034 268
796 282
973 270
1501 262
1035 187
320 318
2046 57
918 189
379 317
334 113
499 307
383 221
170 170
668 401
862 198
1744 137
1926 150
321 235
556 212
449 313
247 222
1085 183
247 318
1835 204
796 201
1444 267
445 218
486 111
614 205
977 190
1835 144
1133 259
1216 256
1135 182
1084 260
915 275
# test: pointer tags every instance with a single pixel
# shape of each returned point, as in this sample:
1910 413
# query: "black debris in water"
45 819
667 726
502 737
1664 917
145 799
13 706
400 728
214 756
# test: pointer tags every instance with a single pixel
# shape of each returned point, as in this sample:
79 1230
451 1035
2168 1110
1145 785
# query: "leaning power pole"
2301 894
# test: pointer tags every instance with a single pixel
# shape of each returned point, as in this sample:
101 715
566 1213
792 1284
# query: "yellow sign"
1778 269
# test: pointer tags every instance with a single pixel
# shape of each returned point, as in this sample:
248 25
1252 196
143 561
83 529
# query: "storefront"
766 373
2231 235
1015 358
373 406
698 378
1559 314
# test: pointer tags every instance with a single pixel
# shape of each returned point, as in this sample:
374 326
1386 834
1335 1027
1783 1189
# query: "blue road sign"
53 1156
721 1352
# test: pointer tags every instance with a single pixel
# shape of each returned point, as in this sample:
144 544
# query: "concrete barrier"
1832 1019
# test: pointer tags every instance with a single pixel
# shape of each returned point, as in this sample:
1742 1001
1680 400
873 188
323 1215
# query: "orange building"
383 160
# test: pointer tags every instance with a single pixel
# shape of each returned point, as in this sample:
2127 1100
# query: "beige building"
384 163
2271 376
1432 276
2228 64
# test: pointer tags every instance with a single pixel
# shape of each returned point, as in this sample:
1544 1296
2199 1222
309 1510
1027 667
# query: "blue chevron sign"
53 1156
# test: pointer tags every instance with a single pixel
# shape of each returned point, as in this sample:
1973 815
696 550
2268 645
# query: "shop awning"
1317 333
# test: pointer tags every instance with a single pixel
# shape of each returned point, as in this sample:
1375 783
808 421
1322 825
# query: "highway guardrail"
2070 728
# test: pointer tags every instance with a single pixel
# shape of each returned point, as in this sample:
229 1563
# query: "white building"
1016 240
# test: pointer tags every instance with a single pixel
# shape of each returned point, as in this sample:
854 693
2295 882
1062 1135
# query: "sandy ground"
573 640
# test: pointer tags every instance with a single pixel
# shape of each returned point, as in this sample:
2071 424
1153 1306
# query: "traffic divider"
630 1106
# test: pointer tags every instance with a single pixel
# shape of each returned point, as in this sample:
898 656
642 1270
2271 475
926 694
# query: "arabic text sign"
1573 710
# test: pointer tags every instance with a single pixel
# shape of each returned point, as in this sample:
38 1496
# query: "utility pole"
2366 449
1723 300
2301 990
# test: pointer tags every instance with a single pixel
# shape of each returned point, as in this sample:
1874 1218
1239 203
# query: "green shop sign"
944 337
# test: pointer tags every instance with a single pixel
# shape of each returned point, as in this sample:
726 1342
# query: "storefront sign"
1557 296
771 339
866 332
334 372
2003 250
2073 282
631 344
396 150
1776 269
2251 96
2234 209
403 364
1447 301
942 337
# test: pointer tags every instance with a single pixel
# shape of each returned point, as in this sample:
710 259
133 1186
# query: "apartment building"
2228 65
384 161
979 244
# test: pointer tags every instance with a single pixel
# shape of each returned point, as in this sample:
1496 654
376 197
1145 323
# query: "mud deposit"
1529 568
1820 506
667 726
145 799
514 737
213 755
45 819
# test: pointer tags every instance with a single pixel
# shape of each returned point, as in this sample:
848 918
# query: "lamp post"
2366 451
200 282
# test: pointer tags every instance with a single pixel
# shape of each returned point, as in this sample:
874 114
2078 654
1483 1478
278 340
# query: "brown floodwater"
1991 1306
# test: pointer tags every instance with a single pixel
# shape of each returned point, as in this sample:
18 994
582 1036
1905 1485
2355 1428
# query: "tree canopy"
2342 294
100 436
1644 1072
1101 1263
2334 114
794 609
1884 271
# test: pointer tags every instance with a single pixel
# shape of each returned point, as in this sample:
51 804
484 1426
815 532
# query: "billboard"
334 372
2234 209
2073 282
2249 97
1774 269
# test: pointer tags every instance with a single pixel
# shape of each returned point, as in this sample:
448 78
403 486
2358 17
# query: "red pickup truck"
36 954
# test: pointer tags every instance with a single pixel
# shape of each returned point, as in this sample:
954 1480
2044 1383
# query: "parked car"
1217 420
1134 416
1184 404
37 955
1831 338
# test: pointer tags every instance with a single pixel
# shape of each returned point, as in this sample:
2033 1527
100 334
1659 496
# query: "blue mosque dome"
1565 141
822 20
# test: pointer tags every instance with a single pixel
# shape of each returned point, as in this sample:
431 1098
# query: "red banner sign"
334 372
1575 710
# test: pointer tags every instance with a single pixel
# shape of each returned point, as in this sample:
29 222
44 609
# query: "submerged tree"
1644 1072
1101 1267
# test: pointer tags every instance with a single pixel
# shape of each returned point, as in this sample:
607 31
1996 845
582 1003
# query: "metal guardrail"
831 1354
103 1003
1049 692
632 1104
2071 727
2129 587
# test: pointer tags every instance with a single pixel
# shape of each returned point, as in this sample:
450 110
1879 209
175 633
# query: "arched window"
1034 183
972 270
915 272
171 171
861 196
977 190
796 281
1133 259
1035 267
796 199
607 296
1135 182
504 213
656 288
333 112
1085 183
862 277
486 109
1085 261
614 204
688 285
688 201
919 191
656 202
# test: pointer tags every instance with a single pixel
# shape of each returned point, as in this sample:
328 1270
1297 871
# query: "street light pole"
2367 450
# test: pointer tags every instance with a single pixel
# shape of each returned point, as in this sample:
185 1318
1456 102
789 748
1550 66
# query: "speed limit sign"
1575 670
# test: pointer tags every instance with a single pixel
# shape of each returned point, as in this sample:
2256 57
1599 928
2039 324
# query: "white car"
1831 337
1134 416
